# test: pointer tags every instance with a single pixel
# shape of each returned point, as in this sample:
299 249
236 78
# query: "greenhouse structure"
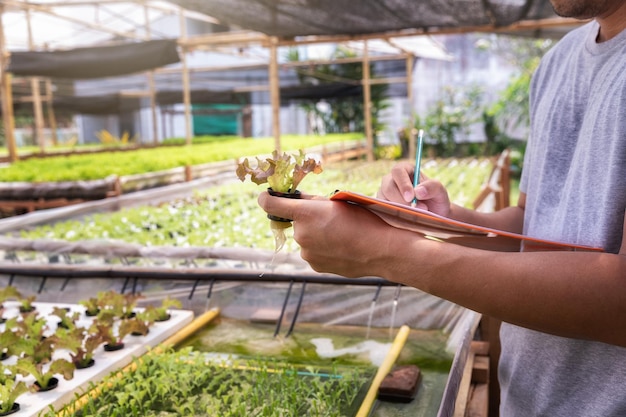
199 326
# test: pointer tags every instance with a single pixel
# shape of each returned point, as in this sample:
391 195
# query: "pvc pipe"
191 328
383 370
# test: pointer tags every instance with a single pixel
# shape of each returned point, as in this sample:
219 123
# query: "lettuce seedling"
282 173
43 373
10 389
9 293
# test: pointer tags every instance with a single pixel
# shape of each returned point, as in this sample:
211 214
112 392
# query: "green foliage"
10 389
103 165
9 293
153 313
184 383
342 114
43 374
448 118
511 110
220 217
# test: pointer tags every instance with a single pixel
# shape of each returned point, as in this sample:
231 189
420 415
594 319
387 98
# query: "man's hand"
431 195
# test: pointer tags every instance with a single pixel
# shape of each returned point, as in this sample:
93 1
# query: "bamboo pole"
35 93
52 121
186 87
275 92
367 103
151 86
409 90
8 120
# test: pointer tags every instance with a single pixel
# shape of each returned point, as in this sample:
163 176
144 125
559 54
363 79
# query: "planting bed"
224 216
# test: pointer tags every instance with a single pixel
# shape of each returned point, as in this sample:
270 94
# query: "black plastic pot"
164 318
52 384
84 365
112 347
14 409
296 194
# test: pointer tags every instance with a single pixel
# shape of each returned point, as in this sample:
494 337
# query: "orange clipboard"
444 229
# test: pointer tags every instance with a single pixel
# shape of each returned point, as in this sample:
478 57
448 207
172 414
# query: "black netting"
291 18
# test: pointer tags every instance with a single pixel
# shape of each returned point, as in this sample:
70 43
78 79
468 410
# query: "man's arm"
571 294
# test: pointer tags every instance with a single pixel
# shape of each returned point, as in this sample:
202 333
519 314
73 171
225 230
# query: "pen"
418 163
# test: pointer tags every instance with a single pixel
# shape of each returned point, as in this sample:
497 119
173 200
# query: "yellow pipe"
181 335
383 370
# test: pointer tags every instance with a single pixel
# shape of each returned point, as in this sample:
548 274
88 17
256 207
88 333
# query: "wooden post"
36 93
185 73
52 121
7 97
38 112
275 92
367 103
409 90
151 87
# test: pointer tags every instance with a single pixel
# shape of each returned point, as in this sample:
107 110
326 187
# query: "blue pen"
418 163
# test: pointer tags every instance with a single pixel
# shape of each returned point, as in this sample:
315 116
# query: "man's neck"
612 23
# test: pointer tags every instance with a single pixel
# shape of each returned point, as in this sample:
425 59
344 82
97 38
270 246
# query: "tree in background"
505 121
509 116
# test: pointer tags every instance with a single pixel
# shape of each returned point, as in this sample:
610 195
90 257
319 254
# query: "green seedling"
9 293
153 313
43 373
10 389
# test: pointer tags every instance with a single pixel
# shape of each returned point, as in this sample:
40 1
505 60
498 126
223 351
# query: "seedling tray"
32 404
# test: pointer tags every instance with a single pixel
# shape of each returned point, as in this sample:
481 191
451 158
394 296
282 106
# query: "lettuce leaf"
282 172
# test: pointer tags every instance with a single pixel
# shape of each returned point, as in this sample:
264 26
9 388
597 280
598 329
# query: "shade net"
289 18
96 62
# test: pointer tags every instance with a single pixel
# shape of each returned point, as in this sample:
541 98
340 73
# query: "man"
564 331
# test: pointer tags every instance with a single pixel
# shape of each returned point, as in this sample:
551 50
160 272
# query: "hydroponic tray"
32 404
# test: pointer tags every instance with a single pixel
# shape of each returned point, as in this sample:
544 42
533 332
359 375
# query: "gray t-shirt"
575 180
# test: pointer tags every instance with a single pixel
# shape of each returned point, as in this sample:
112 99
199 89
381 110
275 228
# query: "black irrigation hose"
74 271
282 311
295 314
193 289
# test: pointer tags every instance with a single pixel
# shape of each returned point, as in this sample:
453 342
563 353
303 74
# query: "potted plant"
92 306
283 173
82 343
26 304
10 390
114 333
68 321
121 305
44 372
9 293
152 313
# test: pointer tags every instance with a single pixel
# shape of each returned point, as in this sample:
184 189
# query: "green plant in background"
340 114
102 165
220 218
511 111
450 117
